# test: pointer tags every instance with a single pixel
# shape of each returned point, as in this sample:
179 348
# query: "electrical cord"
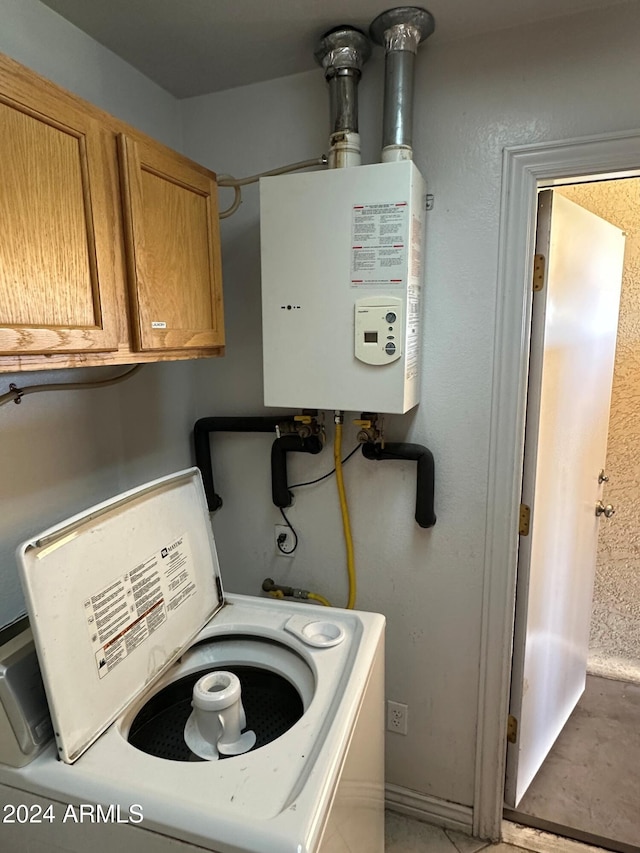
237 201
237 183
230 181
314 596
324 476
283 536
16 394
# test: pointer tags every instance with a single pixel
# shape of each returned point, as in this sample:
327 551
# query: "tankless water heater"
342 261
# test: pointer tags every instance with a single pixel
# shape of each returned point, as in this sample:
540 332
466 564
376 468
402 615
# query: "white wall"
63 451
570 77
48 44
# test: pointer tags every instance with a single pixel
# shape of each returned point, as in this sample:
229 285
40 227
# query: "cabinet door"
173 248
57 290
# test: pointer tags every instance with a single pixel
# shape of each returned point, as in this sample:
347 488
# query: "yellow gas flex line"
344 509
277 591
315 596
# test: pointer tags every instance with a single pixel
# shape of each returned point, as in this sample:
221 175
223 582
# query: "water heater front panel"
341 288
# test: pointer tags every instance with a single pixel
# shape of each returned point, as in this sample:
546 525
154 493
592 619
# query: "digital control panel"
378 329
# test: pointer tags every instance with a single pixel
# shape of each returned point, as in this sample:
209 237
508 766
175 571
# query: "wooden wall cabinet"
173 249
110 248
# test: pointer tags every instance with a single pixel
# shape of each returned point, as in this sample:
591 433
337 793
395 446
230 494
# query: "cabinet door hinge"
512 729
525 518
538 272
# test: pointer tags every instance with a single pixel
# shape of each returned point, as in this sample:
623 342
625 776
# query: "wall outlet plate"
284 541
397 717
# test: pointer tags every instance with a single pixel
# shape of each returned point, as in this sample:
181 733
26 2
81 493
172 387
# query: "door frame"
525 169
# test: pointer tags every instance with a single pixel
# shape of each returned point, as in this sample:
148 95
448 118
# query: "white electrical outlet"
397 717
284 541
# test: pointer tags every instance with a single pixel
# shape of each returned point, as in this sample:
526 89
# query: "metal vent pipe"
400 31
342 52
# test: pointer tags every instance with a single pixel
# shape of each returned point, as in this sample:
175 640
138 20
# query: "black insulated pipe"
424 515
201 431
282 497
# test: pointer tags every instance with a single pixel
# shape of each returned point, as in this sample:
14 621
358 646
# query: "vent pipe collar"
402 37
400 31
342 52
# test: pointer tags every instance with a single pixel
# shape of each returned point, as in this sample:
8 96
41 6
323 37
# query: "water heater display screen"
371 337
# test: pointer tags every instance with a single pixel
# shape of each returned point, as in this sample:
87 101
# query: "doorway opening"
525 170
588 785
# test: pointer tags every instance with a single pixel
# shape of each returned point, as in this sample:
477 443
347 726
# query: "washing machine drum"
276 686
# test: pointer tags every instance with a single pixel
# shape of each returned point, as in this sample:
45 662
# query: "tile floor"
406 835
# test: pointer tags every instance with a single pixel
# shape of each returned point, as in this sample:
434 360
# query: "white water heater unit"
342 267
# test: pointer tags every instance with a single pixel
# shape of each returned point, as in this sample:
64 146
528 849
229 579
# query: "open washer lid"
115 594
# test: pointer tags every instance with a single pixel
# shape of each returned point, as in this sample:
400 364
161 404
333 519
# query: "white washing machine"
128 614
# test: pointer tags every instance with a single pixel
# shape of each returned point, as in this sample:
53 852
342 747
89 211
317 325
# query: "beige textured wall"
615 628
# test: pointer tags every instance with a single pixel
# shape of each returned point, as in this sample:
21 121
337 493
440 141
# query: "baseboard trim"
430 809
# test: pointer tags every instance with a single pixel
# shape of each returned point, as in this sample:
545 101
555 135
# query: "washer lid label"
124 614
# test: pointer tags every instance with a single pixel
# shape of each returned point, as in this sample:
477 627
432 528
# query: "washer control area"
378 329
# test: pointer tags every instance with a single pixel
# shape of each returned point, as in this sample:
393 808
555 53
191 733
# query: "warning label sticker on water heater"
127 611
412 351
379 244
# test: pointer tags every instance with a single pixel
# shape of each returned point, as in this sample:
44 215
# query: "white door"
573 339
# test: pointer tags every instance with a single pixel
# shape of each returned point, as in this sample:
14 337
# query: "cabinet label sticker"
125 613
379 244
158 324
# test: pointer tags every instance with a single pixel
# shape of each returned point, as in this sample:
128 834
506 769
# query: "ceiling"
191 47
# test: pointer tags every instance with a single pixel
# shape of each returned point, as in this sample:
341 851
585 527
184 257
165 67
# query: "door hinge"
538 272
512 729
525 518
